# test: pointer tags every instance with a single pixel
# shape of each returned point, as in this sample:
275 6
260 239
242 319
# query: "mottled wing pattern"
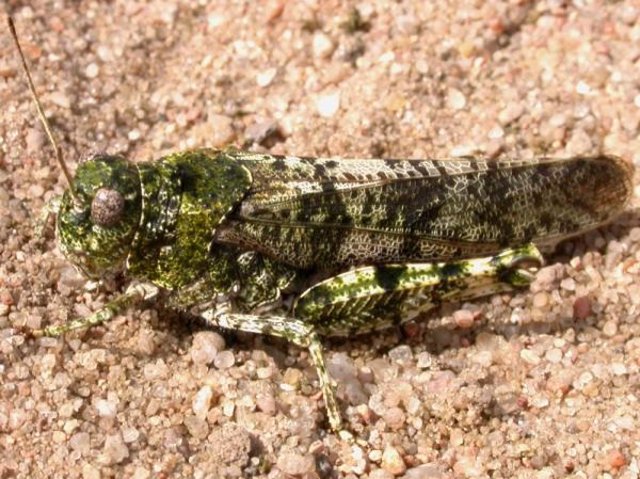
326 213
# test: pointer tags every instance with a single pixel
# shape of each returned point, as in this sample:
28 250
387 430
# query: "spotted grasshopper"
305 247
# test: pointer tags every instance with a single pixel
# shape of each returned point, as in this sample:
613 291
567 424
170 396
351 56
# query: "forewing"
326 213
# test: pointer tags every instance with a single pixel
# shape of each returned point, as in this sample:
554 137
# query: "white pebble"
228 409
554 355
496 133
134 135
618 369
130 434
568 284
104 53
264 78
539 402
106 408
460 151
202 401
583 88
455 99
328 104
323 46
530 357
92 70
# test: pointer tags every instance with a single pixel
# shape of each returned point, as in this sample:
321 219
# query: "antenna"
43 118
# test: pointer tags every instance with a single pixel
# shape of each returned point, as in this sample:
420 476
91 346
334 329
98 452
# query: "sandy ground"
540 384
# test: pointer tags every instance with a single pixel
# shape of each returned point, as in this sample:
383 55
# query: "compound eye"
107 207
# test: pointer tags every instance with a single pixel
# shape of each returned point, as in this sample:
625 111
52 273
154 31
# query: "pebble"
202 402
401 354
579 143
495 133
228 408
60 99
583 380
456 99
582 308
134 135
358 461
530 357
540 300
425 360
205 347
36 191
394 417
218 130
34 139
224 360
264 373
323 46
392 461
328 104
115 450
70 426
459 151
616 459
610 328
547 275
156 371
380 474
90 472
295 464
583 88
553 355
104 53
424 471
265 78
81 442
568 284
92 70
619 369
629 14
141 473
106 408
197 427
375 455
510 113
464 318
262 132
266 403
130 434
539 402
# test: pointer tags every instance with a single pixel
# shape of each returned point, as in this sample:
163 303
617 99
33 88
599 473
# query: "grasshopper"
302 248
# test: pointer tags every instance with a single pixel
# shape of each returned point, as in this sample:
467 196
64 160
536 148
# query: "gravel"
542 383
